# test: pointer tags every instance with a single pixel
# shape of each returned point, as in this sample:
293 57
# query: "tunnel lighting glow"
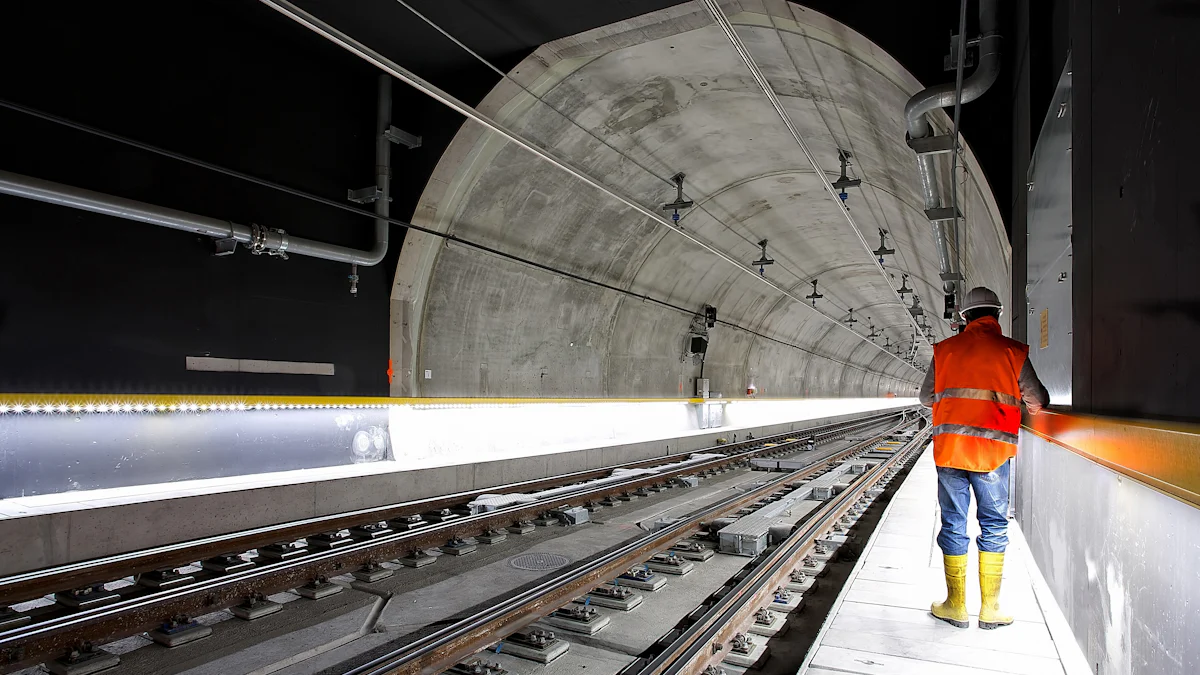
61 404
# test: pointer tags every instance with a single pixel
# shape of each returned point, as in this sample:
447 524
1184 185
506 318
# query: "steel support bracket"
367 195
402 137
942 214
224 247
951 276
932 145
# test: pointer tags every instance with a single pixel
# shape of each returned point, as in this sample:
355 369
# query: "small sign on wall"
429 374
1045 339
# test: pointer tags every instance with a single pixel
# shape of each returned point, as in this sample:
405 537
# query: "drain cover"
539 561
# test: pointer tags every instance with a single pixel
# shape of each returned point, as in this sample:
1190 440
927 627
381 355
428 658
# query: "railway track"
706 637
453 644
86 613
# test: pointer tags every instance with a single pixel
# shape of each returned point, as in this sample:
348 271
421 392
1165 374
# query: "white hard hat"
979 298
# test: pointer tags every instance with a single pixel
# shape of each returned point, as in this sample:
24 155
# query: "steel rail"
697 646
37 642
448 646
37 583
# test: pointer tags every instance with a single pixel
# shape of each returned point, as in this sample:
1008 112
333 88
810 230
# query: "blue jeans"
991 506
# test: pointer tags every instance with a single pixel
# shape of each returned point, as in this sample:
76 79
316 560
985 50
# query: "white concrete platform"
881 622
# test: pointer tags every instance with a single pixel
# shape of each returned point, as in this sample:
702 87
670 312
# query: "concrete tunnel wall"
667 90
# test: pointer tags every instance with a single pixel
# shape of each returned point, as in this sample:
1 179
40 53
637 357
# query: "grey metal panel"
1120 558
1049 266
51 453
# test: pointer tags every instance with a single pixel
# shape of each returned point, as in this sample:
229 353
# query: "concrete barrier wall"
1121 559
91 528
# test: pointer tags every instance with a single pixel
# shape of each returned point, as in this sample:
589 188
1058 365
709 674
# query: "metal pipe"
383 165
266 239
341 39
958 85
942 96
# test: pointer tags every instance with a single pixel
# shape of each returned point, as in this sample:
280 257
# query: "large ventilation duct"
929 146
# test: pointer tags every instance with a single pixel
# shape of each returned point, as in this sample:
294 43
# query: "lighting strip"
78 404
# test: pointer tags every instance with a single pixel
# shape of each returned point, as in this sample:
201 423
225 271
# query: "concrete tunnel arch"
667 91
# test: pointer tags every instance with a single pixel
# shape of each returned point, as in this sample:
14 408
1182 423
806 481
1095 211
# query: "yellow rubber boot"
991 569
954 610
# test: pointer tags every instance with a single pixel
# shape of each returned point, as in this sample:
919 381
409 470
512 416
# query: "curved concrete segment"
632 104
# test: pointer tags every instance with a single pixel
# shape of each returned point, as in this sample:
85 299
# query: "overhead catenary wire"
752 240
395 221
904 266
346 42
727 27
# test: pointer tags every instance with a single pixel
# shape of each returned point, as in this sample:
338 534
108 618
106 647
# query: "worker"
975 385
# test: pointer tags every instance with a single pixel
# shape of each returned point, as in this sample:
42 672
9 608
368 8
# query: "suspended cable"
357 48
752 240
395 221
756 72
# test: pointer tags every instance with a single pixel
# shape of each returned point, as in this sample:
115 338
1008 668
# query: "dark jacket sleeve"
926 393
1033 392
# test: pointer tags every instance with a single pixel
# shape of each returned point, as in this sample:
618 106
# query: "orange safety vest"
977 397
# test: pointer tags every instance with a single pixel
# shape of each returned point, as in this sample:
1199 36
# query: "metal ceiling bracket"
224 247
367 195
815 295
402 137
931 145
942 214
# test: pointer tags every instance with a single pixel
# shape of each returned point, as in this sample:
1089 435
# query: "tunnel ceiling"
633 103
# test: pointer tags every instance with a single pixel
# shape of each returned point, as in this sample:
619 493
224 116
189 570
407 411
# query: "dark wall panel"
90 303
1137 209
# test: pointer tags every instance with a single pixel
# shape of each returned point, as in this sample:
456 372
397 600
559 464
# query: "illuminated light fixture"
60 404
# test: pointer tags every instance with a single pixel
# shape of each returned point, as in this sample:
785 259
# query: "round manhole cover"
539 561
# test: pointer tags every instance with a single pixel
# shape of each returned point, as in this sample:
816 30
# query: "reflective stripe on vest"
977 395
977 432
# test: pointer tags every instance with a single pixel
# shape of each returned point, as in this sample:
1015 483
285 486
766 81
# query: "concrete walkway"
881 621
